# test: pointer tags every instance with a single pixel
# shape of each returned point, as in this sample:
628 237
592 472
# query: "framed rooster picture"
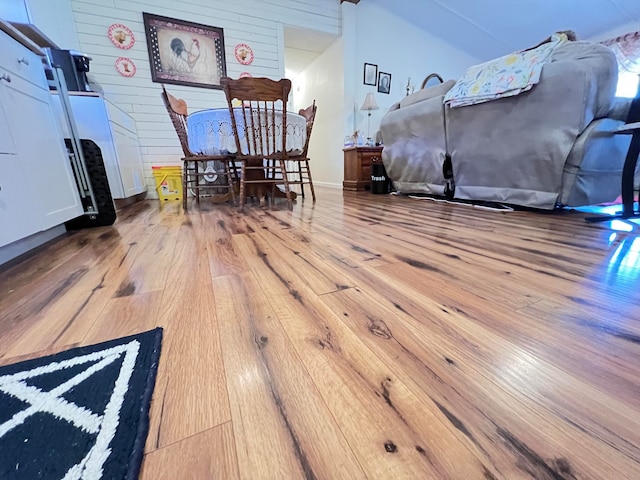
184 53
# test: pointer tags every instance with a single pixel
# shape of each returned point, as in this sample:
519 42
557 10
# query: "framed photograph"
384 82
370 74
184 53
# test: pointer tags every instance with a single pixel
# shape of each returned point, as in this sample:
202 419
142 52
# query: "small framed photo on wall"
370 74
384 82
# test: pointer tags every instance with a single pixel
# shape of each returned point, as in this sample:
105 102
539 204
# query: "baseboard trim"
19 248
335 186
125 202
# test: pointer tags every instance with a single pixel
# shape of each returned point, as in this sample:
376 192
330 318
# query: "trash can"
168 182
379 180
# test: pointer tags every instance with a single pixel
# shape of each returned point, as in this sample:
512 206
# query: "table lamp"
368 105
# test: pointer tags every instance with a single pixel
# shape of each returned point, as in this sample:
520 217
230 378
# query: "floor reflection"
624 263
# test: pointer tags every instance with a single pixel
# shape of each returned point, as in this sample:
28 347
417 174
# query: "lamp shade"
369 103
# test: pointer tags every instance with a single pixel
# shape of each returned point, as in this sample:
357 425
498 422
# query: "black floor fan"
629 168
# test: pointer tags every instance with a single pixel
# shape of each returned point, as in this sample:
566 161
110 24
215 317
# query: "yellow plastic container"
168 182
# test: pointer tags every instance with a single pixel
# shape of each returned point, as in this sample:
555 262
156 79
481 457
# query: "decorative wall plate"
244 54
121 36
245 74
125 67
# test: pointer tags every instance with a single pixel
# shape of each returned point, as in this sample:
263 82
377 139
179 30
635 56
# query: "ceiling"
489 28
484 29
301 47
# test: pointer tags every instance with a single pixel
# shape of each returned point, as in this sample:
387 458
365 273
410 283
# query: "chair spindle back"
262 100
309 114
177 110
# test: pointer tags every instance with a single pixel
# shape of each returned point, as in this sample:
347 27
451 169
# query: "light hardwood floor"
365 336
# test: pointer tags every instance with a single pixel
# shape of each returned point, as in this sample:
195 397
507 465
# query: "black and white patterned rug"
79 414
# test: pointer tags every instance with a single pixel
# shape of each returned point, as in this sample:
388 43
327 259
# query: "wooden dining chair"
259 126
195 166
303 172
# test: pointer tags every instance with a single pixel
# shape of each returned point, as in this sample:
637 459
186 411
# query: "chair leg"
243 175
185 168
313 192
230 183
300 178
234 167
287 191
196 164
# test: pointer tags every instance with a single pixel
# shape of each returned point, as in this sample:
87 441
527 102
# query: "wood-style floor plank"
273 400
320 276
69 299
382 438
599 338
223 259
208 455
491 415
191 393
124 316
393 432
363 336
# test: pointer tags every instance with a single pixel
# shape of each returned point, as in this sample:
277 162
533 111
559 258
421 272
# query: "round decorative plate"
125 67
245 74
121 36
244 54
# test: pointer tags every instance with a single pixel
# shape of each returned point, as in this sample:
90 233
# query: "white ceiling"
484 29
490 28
301 47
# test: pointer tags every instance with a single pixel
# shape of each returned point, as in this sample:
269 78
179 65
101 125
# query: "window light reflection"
624 265
621 226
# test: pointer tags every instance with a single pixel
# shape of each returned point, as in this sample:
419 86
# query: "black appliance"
74 66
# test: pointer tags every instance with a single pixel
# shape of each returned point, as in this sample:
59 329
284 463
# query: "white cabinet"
18 217
6 141
114 131
43 155
35 170
129 160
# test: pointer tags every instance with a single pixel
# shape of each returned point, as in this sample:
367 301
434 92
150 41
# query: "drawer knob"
24 60
6 77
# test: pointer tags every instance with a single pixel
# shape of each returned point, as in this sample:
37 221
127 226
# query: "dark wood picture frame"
384 82
184 53
370 76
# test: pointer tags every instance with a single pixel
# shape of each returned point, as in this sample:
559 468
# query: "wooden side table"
357 167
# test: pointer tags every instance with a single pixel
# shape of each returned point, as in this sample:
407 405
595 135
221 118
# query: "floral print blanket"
504 77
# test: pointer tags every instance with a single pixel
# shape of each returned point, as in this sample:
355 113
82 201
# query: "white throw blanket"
505 77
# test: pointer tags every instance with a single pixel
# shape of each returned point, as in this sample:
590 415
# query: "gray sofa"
546 147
